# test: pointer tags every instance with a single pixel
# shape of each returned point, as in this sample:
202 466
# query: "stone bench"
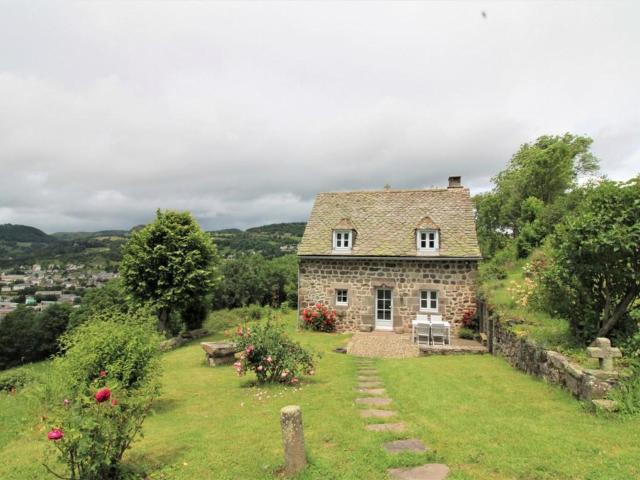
219 353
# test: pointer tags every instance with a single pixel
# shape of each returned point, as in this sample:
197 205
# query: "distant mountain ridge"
26 245
24 233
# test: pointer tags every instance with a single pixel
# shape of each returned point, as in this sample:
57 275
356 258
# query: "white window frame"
338 296
427 233
339 240
430 298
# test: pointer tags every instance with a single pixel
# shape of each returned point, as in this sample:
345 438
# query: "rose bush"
105 385
319 318
271 354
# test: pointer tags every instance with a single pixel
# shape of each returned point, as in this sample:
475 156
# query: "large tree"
594 280
537 177
171 263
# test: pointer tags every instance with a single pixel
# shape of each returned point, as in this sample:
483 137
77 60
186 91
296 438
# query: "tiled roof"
386 221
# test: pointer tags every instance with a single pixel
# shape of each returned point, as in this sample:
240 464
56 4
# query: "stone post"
295 459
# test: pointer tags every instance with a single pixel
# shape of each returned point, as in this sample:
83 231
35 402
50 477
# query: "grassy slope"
486 420
552 333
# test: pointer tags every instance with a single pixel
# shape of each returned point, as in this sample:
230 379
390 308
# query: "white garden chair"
439 331
419 319
422 330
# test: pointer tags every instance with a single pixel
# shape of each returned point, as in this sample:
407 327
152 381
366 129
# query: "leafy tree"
245 281
536 179
283 280
594 280
170 263
110 296
29 336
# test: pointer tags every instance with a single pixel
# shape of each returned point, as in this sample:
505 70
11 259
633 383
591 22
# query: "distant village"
38 287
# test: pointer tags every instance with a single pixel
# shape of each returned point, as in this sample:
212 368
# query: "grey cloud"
242 112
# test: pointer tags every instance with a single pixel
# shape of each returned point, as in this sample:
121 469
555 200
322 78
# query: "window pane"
434 304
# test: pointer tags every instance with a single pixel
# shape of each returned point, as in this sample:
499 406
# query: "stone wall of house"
455 281
551 366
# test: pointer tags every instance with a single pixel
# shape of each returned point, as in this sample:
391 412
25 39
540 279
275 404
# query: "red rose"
55 434
103 395
314 314
103 374
250 349
318 305
114 402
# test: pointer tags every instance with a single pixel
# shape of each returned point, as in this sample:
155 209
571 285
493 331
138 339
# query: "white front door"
384 309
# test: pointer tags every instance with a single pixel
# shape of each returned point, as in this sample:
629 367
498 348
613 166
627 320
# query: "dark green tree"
170 263
594 279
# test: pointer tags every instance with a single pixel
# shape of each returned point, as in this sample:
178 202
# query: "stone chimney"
455 182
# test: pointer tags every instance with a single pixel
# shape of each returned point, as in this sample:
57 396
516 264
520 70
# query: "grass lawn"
480 416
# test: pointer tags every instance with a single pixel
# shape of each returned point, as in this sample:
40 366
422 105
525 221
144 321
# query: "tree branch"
620 309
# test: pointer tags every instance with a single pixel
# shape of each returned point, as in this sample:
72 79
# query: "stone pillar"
295 459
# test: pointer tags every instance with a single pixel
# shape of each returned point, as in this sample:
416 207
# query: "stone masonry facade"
454 280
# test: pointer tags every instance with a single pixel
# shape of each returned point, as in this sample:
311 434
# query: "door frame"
375 315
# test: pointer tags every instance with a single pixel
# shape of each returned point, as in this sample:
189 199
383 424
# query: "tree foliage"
29 336
251 279
170 263
594 279
530 191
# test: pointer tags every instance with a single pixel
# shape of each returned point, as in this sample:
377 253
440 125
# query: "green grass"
480 416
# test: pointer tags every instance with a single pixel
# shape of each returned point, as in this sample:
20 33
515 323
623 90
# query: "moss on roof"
386 222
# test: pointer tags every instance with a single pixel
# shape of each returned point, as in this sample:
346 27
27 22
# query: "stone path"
400 446
370 384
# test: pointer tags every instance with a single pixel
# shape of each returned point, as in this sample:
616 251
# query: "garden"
480 416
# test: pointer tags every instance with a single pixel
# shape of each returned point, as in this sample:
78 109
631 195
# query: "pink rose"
260 368
103 374
269 359
114 402
55 434
66 402
103 395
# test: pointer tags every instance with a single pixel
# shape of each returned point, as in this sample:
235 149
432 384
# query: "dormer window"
428 240
342 240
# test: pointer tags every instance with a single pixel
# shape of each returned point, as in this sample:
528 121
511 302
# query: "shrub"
108 379
466 333
253 312
470 319
11 381
319 318
271 354
627 393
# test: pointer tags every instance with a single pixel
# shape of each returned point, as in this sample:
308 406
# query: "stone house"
379 258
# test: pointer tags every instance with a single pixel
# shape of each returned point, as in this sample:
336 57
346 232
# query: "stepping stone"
386 427
430 471
372 391
400 446
368 384
373 413
373 401
368 371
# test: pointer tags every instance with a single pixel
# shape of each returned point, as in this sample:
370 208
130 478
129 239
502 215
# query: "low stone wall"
184 337
551 366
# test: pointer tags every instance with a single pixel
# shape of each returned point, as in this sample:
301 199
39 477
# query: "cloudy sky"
241 112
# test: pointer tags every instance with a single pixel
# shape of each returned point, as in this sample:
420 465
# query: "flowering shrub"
105 385
271 354
319 318
469 319
522 292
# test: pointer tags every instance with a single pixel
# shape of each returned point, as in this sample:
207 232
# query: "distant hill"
90 235
295 229
24 233
24 245
269 240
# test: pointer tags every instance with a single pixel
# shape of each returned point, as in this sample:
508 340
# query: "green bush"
497 267
253 313
627 392
271 354
107 381
13 380
466 333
